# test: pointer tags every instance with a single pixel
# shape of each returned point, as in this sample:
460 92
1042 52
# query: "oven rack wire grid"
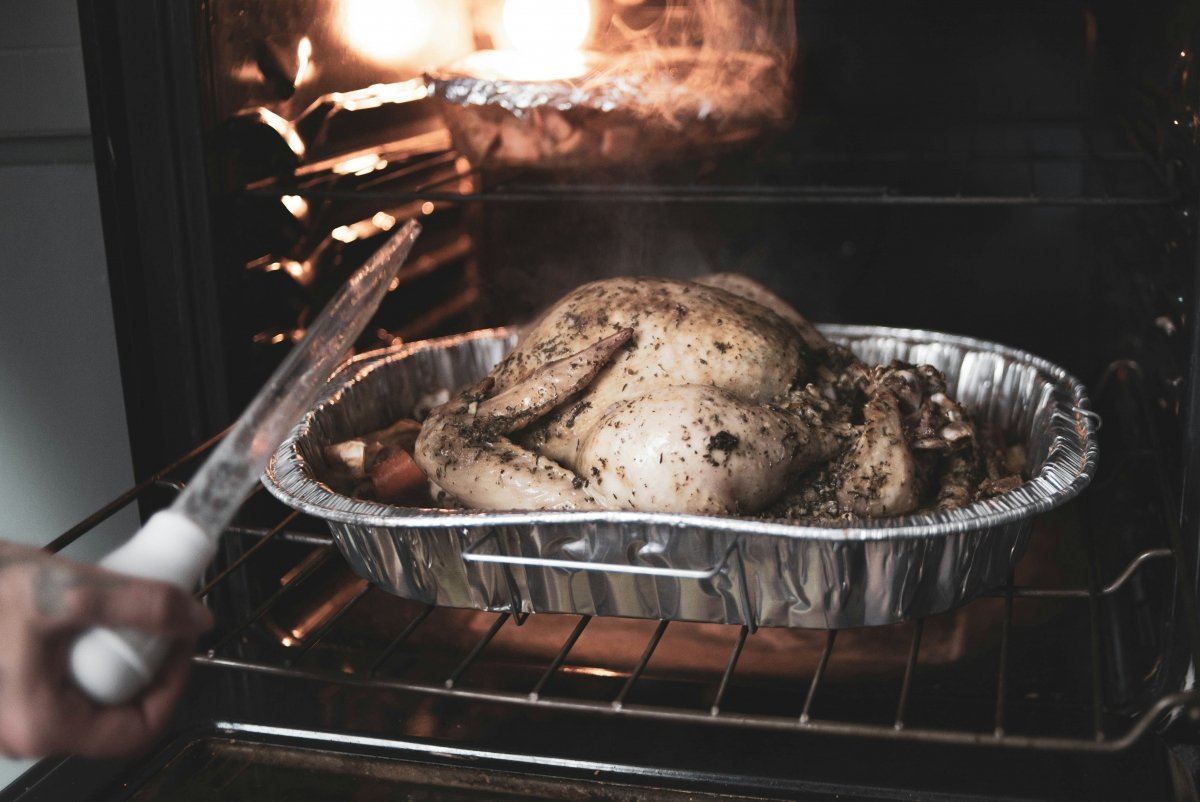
974 164
1101 719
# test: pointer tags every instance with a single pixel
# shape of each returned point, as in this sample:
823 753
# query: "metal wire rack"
967 164
1100 738
244 646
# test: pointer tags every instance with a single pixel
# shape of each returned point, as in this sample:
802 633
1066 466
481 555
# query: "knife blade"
176 544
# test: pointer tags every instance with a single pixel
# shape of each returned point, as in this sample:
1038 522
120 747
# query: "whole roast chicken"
706 396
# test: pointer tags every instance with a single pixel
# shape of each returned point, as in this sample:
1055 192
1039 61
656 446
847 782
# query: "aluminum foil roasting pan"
690 567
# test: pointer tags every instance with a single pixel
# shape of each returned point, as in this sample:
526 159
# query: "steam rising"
722 59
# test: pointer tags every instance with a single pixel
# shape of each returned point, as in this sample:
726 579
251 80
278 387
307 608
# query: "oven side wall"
143 101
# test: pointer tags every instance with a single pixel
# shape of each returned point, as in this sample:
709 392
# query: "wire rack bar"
1095 649
715 709
313 639
398 641
1131 568
647 653
910 668
795 196
560 657
476 650
108 510
250 552
830 637
307 568
1002 670
803 177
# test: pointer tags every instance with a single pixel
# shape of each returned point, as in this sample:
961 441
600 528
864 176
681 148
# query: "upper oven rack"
1108 728
1043 163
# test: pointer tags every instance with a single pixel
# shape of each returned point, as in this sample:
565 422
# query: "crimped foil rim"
609 84
1067 470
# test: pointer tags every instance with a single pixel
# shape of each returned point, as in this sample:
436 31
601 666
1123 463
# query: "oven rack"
1003 164
289 663
1100 740
1108 728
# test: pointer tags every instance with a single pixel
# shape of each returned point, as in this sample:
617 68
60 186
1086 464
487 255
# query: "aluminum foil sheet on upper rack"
690 567
624 110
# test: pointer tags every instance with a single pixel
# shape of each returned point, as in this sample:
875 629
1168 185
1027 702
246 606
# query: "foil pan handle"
471 553
732 555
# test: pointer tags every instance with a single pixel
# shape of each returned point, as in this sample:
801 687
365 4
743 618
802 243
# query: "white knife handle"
112 666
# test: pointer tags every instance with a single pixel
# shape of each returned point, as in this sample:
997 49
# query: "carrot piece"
397 477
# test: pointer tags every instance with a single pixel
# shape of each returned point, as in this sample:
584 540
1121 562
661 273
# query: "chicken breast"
683 333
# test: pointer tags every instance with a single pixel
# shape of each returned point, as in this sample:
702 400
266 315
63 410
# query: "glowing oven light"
546 25
543 38
388 30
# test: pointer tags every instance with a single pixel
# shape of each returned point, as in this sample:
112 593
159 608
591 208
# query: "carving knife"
176 544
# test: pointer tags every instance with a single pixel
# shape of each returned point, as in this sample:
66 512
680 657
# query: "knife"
176 544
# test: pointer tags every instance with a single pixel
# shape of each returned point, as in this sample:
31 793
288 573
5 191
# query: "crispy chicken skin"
709 396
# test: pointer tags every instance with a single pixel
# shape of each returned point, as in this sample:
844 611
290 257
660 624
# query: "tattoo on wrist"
55 582
10 557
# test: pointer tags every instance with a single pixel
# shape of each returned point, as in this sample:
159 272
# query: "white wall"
64 450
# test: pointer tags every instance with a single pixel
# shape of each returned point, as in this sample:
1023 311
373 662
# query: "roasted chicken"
708 396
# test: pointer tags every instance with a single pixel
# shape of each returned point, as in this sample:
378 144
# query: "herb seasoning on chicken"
712 396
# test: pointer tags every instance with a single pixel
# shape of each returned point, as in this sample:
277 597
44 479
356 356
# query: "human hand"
45 602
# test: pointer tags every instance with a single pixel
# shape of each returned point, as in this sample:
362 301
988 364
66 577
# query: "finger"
99 732
98 597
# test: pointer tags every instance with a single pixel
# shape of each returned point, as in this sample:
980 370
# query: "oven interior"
1019 172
